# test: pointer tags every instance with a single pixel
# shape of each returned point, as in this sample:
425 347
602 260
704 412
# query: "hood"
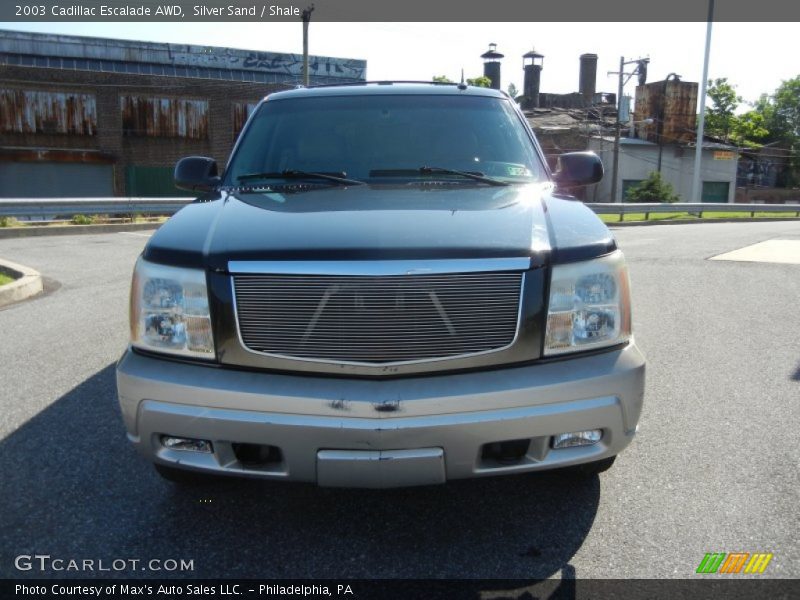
380 223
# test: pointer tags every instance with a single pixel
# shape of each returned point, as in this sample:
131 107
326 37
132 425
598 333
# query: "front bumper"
381 433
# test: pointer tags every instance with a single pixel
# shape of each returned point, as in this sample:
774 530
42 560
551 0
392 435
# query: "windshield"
383 139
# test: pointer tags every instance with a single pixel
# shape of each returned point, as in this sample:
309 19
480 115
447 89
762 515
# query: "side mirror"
578 168
196 174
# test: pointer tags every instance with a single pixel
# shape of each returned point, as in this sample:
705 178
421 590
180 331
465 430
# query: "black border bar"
406 11
704 586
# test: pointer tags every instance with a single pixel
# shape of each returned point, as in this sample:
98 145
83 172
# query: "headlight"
589 305
169 310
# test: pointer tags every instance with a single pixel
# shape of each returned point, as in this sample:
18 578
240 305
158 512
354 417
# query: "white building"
638 158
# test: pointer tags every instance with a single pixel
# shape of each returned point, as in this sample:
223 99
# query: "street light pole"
306 20
701 124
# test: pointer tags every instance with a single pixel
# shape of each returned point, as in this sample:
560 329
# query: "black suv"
383 288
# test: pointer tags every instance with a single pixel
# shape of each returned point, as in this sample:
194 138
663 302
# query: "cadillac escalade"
385 286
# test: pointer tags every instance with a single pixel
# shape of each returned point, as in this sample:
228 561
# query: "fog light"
577 438
190 444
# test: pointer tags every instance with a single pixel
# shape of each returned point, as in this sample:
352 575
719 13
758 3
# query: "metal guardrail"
626 208
69 207
49 208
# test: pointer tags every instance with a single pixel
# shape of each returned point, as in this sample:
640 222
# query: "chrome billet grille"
377 319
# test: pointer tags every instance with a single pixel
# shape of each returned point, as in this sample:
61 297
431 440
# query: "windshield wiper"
474 175
340 177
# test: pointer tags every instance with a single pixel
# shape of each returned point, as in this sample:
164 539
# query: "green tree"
721 115
481 81
764 107
787 117
652 189
512 90
780 112
787 108
781 117
749 129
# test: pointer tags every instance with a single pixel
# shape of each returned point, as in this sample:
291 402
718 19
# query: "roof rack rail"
382 82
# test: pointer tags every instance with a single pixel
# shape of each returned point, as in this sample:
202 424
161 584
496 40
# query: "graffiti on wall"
271 62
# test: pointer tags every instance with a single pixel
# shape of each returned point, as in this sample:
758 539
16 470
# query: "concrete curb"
33 231
698 221
27 283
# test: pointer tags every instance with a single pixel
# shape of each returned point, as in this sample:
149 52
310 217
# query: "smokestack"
532 65
491 65
587 85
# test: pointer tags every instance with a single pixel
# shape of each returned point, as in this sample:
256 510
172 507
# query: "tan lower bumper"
338 431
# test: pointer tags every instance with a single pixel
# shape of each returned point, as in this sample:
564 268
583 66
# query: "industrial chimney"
532 64
491 65
587 85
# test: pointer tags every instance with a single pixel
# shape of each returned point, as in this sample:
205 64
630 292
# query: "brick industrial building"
86 116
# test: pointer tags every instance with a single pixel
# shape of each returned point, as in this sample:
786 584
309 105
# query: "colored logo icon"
734 562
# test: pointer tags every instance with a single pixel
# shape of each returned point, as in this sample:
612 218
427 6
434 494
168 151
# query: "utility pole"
615 169
701 124
306 20
641 67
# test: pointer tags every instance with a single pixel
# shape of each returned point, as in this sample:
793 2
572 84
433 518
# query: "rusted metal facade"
673 107
164 117
78 110
241 112
35 111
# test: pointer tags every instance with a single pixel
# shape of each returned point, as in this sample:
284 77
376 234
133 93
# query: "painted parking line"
771 251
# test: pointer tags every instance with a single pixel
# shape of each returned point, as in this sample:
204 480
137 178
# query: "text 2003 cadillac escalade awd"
382 289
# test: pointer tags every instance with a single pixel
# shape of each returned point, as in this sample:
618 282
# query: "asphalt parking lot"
715 467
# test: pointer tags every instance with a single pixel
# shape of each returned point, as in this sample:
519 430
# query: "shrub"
8 222
82 220
652 189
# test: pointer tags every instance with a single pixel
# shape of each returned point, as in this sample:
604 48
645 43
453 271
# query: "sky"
755 57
